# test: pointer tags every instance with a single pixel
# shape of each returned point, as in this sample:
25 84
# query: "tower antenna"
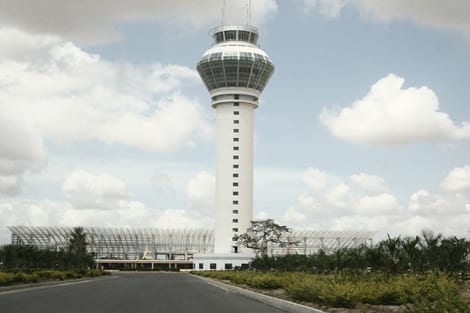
223 12
249 12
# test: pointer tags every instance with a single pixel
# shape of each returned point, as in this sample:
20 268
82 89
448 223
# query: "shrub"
6 279
424 293
265 281
437 294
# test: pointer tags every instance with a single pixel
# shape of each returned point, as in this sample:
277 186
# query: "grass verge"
415 293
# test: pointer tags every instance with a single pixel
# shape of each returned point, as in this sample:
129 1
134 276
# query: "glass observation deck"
244 33
235 60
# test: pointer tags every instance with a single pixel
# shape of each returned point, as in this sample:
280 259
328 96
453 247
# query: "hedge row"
424 293
9 278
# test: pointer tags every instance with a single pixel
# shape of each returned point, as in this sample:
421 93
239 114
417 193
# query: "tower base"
221 261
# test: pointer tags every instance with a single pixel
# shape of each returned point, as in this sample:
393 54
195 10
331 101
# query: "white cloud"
293 216
340 196
364 203
370 183
178 219
432 13
21 151
55 213
392 115
423 203
162 182
458 180
306 201
378 205
330 8
10 185
99 192
262 215
200 192
315 178
86 22
67 95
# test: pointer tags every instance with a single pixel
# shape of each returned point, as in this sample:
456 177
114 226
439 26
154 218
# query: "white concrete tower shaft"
235 71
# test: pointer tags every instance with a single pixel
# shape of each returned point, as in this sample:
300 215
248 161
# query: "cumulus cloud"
392 115
104 200
262 215
60 213
65 94
339 196
21 151
330 8
364 202
86 22
369 182
458 180
10 185
200 192
292 215
431 13
382 204
362 194
162 182
315 178
102 192
179 219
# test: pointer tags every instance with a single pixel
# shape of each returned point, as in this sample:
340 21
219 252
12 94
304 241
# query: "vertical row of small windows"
236 166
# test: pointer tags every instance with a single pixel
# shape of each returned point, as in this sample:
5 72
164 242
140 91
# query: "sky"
365 124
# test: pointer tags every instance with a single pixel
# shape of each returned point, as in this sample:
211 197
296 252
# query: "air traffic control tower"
235 71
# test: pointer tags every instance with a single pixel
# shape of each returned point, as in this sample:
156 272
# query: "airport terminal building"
153 248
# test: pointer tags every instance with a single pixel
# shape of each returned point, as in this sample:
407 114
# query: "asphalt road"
131 293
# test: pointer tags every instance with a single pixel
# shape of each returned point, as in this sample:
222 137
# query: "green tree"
77 250
262 233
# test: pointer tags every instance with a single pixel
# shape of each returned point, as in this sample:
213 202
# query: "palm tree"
430 247
412 253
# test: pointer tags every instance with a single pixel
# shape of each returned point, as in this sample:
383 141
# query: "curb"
281 304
